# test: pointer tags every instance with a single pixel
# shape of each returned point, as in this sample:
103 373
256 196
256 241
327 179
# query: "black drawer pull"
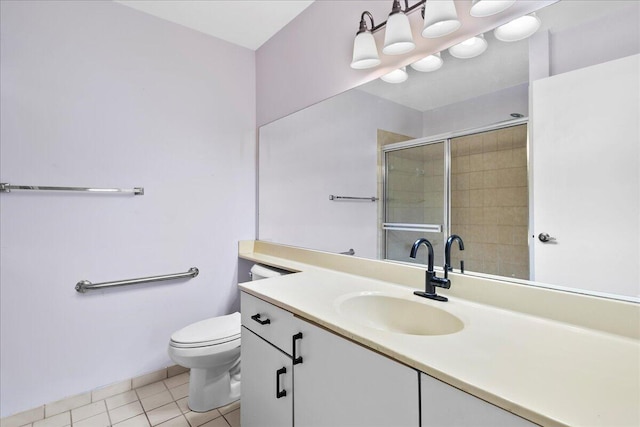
256 317
280 393
296 337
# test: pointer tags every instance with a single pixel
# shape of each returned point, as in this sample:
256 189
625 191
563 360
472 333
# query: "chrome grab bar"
6 188
332 197
85 285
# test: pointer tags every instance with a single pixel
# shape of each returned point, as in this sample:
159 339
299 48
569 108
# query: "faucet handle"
441 282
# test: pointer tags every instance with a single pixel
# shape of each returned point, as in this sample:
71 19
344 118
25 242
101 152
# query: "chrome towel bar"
371 199
85 285
6 188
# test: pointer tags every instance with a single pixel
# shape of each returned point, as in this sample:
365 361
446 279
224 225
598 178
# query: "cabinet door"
447 406
266 371
340 383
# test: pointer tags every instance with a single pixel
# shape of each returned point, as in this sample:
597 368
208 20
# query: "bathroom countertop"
549 372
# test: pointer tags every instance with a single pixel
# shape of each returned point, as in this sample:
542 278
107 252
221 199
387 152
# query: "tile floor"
162 403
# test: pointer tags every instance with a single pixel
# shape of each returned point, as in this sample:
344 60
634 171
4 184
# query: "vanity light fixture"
398 38
482 8
469 48
365 52
429 63
396 76
518 29
440 18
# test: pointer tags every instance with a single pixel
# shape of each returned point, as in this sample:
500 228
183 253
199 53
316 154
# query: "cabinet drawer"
270 322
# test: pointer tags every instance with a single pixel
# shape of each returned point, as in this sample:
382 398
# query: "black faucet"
431 280
447 254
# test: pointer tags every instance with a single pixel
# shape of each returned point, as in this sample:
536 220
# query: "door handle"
280 393
298 336
545 238
256 317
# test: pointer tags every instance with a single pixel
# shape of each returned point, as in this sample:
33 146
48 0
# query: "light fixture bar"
408 9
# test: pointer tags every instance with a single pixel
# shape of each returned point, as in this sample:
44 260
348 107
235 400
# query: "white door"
585 159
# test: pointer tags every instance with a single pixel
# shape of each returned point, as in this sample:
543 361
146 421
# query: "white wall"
328 148
98 94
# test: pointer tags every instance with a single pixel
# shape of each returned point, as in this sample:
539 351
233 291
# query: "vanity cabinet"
335 381
446 406
295 373
341 383
267 393
267 367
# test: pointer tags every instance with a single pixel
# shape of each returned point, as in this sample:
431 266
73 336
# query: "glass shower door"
415 197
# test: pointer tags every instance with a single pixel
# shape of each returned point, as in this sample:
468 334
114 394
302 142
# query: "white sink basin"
399 315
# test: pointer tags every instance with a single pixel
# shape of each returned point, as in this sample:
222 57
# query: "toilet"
210 348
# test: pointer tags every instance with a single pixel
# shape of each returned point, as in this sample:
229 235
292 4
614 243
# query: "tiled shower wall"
489 201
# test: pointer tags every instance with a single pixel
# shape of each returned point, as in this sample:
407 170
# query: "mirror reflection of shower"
474 185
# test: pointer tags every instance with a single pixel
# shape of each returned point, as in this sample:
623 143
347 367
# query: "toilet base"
207 392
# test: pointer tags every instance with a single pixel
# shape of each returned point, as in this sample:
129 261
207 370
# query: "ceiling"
248 23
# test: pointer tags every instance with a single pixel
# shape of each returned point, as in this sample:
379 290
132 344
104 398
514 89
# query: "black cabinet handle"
280 393
256 317
296 337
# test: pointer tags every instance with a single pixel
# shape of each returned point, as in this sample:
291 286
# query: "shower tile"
164 413
490 141
67 404
505 234
520 157
490 179
489 160
476 180
476 145
149 378
110 390
476 198
88 411
504 139
125 412
475 162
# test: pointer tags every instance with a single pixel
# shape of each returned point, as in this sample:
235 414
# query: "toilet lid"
211 331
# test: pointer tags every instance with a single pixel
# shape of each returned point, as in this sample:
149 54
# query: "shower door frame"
445 138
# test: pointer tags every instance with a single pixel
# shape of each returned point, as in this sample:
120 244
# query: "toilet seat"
208 332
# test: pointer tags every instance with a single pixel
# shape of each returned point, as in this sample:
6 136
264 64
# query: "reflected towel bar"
371 199
85 285
6 188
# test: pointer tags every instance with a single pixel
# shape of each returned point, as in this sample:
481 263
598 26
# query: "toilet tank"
261 272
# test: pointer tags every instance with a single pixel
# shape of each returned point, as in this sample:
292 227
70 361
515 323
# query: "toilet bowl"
211 349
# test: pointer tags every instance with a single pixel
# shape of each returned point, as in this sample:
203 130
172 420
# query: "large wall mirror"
529 152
